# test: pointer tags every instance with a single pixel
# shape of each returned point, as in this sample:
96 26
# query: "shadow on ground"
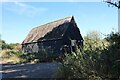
41 70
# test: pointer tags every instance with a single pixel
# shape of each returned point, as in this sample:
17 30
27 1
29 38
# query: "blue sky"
18 18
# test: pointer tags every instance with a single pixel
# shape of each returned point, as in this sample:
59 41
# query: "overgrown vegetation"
10 52
97 61
13 53
42 56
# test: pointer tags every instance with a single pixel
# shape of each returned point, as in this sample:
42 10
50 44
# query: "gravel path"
41 70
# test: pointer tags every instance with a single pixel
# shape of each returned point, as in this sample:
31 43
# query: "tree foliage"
10 46
97 59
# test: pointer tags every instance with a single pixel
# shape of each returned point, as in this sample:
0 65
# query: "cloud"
54 0
24 9
8 0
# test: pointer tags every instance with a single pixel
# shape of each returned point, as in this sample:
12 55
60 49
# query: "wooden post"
119 17
118 6
119 20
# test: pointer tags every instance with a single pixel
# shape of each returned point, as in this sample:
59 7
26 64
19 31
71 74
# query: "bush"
28 57
95 61
12 56
42 56
79 65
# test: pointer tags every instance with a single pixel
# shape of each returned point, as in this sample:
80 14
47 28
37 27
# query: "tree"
93 42
4 45
11 46
116 4
95 61
114 48
85 63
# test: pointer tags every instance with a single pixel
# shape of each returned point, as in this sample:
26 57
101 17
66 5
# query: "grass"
10 56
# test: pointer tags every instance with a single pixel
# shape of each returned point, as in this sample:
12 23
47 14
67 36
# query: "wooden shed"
55 37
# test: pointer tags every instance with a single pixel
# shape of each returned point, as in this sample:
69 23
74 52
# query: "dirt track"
41 70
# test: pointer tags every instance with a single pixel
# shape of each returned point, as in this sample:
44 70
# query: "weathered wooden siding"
46 46
50 46
72 33
30 48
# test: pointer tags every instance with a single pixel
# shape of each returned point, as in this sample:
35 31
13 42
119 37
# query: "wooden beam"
42 41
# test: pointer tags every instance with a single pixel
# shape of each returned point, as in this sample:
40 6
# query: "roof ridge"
61 19
55 21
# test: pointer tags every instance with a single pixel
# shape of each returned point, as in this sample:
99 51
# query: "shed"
56 37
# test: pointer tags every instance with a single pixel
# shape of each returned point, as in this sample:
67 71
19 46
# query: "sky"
18 18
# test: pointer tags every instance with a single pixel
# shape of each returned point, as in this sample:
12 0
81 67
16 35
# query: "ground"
28 70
